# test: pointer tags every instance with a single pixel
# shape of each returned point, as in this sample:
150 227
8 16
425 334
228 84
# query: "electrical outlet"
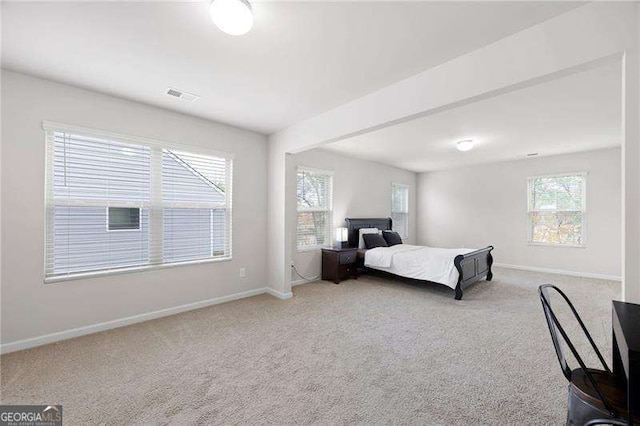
243 272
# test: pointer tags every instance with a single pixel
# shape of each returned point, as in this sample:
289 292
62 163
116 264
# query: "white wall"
31 308
597 32
0 180
631 166
360 189
592 32
487 204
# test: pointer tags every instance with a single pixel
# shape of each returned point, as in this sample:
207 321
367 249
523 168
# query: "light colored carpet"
367 351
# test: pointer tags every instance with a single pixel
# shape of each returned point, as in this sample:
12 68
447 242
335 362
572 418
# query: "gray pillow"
374 240
392 238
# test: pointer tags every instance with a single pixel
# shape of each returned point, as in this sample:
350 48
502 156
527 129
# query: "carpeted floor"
366 351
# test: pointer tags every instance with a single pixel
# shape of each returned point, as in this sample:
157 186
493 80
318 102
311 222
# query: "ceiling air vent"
175 93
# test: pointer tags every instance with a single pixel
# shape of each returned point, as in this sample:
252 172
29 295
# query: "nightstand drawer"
339 264
347 257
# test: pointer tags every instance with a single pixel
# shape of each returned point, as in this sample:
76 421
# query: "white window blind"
400 209
557 207
315 208
196 206
112 205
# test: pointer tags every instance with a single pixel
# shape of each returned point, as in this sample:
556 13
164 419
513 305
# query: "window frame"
156 233
139 228
583 211
405 187
329 225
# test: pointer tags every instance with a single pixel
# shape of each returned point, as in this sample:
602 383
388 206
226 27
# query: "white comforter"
418 262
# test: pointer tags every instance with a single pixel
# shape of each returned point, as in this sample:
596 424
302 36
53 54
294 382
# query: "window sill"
96 274
309 249
557 245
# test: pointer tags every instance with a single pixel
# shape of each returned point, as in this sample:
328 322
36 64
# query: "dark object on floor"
593 394
605 422
626 352
339 264
471 267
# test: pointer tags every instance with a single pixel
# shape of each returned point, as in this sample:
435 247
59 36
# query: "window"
315 204
123 218
400 209
195 196
557 209
118 203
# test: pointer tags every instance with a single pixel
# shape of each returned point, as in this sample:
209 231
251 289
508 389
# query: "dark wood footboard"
473 267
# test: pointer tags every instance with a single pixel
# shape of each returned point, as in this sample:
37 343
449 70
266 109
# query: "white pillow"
366 231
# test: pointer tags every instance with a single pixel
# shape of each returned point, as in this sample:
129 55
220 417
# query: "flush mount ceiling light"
234 17
465 145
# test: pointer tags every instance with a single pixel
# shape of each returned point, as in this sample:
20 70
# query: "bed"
455 268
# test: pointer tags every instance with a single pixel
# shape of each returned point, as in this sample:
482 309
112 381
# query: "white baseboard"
560 272
279 294
108 325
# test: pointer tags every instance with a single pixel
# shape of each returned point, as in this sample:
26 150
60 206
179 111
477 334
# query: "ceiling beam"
584 37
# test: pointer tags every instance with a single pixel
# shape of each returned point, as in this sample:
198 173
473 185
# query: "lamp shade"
342 234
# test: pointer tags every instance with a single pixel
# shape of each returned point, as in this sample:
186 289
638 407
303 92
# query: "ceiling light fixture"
465 145
234 17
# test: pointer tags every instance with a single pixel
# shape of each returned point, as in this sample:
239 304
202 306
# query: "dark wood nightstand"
339 264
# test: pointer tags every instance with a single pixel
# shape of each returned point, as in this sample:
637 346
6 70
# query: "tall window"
400 209
315 208
557 209
114 204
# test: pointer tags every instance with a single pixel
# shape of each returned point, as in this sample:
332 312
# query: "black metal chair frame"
554 327
612 422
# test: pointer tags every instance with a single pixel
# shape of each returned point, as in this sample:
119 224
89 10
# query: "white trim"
305 249
552 175
278 294
557 245
560 272
126 270
314 170
108 325
403 185
51 126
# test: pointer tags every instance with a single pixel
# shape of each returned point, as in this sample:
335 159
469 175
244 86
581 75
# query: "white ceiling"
300 59
580 112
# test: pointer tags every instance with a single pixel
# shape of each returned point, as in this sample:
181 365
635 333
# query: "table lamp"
342 237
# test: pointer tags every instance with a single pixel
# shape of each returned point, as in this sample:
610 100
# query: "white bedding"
418 262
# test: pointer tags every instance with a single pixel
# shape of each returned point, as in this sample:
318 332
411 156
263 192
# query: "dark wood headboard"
354 226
